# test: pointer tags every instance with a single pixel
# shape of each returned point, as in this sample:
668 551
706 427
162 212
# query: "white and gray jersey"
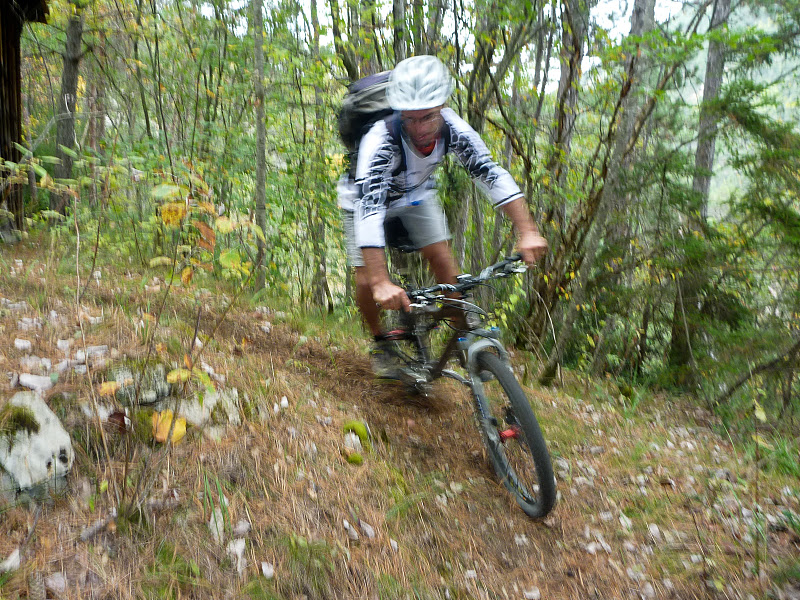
379 157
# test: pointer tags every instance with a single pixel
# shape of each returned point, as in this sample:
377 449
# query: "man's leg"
442 262
366 304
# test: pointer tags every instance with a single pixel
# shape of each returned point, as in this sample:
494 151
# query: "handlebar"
467 282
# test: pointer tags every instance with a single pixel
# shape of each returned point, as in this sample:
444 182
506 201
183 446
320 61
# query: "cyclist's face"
422 126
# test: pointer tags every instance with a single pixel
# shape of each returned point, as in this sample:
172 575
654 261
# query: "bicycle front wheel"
513 438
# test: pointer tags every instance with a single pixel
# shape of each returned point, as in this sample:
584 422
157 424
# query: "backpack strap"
394 125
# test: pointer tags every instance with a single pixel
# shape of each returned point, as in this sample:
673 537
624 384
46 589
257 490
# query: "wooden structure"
13 15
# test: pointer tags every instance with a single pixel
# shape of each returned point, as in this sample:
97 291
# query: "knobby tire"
535 504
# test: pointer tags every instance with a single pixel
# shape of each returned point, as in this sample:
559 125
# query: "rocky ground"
259 499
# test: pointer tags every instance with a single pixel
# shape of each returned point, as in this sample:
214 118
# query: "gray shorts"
425 223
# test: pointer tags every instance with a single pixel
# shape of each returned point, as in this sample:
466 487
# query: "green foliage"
170 575
309 563
17 418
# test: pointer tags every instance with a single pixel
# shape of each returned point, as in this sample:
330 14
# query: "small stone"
216 525
236 550
351 532
284 402
64 345
521 539
393 545
37 383
470 574
242 528
368 529
595 450
275 408
267 570
532 594
625 522
266 327
655 532
696 559
648 591
56 583
23 345
606 516
11 563
352 442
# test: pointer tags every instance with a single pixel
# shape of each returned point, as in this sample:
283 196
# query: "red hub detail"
510 433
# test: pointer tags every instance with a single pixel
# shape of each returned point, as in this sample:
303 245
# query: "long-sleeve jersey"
378 187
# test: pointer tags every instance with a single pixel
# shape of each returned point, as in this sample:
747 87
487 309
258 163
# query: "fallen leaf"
162 421
108 388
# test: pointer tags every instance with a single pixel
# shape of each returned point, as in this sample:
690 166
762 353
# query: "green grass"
170 575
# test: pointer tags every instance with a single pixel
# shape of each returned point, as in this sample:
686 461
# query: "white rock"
56 582
11 563
32 458
275 408
236 552
198 411
520 539
655 532
23 345
648 591
266 327
532 594
393 545
284 402
28 324
470 574
368 529
352 442
37 383
625 522
242 528
351 531
216 525
268 570
606 516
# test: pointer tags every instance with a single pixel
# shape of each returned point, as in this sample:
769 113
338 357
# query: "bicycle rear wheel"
513 438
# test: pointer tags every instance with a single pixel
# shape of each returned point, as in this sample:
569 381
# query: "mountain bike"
507 423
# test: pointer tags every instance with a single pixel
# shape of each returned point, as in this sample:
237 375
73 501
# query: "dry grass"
425 483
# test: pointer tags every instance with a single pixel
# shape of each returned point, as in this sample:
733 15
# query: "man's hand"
532 247
386 294
391 297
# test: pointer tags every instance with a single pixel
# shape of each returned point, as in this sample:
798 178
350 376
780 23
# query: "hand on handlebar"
532 247
391 297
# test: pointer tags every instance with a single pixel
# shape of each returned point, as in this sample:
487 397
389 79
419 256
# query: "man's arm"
531 245
384 292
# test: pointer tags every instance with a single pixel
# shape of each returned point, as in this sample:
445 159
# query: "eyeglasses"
428 119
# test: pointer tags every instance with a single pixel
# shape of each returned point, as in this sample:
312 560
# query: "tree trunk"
344 51
10 109
686 313
261 142
622 142
320 289
67 100
574 30
399 18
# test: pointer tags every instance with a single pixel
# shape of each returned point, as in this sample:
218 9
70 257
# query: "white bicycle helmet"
418 83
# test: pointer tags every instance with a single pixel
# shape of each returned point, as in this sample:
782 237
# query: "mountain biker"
418 90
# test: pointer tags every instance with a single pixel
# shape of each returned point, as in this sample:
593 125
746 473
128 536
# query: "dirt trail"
650 504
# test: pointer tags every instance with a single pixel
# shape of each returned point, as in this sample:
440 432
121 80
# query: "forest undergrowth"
656 498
